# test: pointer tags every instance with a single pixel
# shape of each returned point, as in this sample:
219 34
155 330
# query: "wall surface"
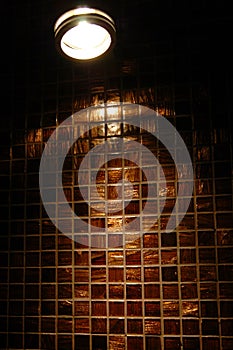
155 290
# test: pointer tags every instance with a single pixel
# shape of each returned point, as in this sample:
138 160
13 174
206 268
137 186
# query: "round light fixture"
84 33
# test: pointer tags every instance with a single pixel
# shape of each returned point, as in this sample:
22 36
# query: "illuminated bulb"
84 33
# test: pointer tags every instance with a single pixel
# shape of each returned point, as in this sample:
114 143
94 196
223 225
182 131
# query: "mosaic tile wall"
160 290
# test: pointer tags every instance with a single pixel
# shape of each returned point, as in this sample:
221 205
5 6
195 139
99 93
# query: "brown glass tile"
204 204
64 325
150 240
227 343
190 308
163 221
190 327
225 255
116 342
31 340
65 291
65 307
210 343
81 275
226 327
152 309
115 257
4 259
170 308
187 239
15 291
114 225
133 274
117 327
208 273
32 259
204 187
169 274
132 241
135 343
134 308
170 291
16 340
206 238
208 290
115 240
191 343
17 243
82 325
225 272
187 223
187 256
210 327
224 220
171 327
64 243
16 275
168 239
47 274
150 223
188 273
172 344
15 324
151 274
116 275
225 237
16 259
81 290
98 274
16 307
226 307
97 291
98 308
47 324
3 310
65 258
47 227
48 243
226 290
189 291
64 274
207 255
99 326
81 308
64 341
48 341
99 342
153 342
135 291
152 291
150 257
84 242
47 308
134 326
76 287
82 342
32 291
32 243
116 308
133 257
116 291
169 257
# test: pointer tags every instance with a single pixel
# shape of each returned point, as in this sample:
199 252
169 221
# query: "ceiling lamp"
84 33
